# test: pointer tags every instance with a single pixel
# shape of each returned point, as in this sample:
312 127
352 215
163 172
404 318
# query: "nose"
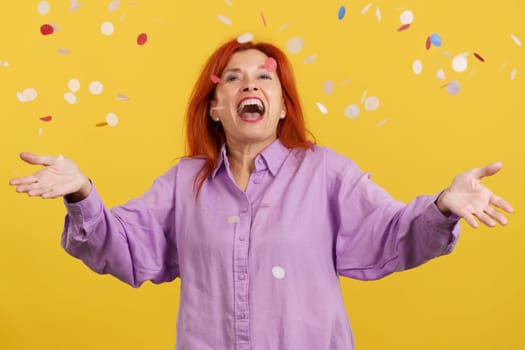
250 87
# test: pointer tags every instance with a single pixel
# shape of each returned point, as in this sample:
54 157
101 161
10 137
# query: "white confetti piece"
114 5
107 28
278 272
381 123
378 14
503 66
295 45
328 87
70 98
228 2
406 17
365 93
245 38
284 26
345 82
112 119
43 7
122 97
513 74
440 75
20 96
372 103
352 111
472 72
74 6
322 108
40 131
74 85
516 39
310 59
27 95
233 219
4 64
224 20
96 87
64 51
460 63
417 67
366 8
453 88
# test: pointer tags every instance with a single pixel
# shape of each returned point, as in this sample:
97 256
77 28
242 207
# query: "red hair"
205 138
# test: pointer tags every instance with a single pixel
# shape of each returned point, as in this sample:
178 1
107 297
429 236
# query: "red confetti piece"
479 57
403 27
428 43
142 39
270 64
47 29
101 124
46 119
263 19
215 79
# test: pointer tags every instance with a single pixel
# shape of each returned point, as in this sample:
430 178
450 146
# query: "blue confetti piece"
342 12
435 39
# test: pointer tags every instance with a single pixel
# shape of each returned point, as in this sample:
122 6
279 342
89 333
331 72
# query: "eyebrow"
236 70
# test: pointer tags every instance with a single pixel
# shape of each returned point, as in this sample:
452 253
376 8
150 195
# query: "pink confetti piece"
478 56
46 118
403 27
142 39
263 19
215 79
270 64
47 29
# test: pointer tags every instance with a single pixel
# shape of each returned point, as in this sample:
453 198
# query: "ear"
213 111
284 110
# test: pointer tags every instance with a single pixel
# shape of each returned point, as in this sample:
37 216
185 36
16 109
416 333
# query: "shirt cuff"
86 210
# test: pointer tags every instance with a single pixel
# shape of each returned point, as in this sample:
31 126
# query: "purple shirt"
260 269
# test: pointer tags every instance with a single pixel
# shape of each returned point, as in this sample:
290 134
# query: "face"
248 100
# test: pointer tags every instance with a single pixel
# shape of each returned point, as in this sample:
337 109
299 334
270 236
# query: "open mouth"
251 108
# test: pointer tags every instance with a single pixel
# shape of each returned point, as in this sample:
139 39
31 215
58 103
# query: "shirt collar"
274 156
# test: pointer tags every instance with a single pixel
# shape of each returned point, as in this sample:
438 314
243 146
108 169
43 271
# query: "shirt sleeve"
377 235
134 242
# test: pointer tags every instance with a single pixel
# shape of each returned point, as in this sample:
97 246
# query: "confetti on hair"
478 56
270 64
263 19
403 27
215 79
46 118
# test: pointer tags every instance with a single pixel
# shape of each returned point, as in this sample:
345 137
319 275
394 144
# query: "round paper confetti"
435 39
453 88
43 7
328 87
225 20
4 64
407 17
516 40
372 103
352 111
441 74
245 38
30 94
114 5
47 29
111 119
233 219
310 59
278 272
70 98
142 39
96 87
270 64
74 85
417 67
341 13
107 28
322 108
295 45
460 63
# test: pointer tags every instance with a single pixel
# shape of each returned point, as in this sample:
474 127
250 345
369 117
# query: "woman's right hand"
59 177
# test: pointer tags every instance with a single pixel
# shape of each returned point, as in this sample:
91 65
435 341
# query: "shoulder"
323 157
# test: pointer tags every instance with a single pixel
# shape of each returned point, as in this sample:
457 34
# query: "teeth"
250 102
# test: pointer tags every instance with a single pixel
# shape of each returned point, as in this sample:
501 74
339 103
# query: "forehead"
247 58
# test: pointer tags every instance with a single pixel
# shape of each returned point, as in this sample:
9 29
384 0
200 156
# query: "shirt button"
257 180
241 277
242 316
242 238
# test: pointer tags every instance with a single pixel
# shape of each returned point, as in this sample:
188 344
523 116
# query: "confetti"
406 17
27 95
310 59
441 74
215 79
295 45
39 131
503 65
43 7
74 6
322 108
403 27
428 44
233 219
352 111
365 9
74 85
96 87
516 39
478 56
121 97
228 2
225 20
435 39
460 63
263 19
113 6
341 13
70 98
363 97
328 87
270 64
513 74
4 64
284 26
381 123
64 51
345 82
46 29
107 28
112 119
142 38
278 272
245 38
378 14
372 103
46 118
101 124
417 67
453 88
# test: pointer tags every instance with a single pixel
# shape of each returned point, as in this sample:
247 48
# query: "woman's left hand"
468 198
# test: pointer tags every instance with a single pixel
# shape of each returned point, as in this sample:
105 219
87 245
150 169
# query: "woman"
258 222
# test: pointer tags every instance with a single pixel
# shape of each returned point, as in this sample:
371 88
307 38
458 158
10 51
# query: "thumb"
36 159
488 170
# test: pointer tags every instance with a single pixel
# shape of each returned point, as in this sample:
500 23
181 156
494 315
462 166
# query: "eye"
265 76
231 77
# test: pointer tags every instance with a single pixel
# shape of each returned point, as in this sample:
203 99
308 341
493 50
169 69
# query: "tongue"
250 112
250 116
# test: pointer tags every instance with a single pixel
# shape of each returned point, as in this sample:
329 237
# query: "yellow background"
417 140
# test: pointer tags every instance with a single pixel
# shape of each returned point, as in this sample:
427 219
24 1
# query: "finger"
484 218
28 187
496 215
23 180
471 220
51 194
36 192
488 170
36 159
501 203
